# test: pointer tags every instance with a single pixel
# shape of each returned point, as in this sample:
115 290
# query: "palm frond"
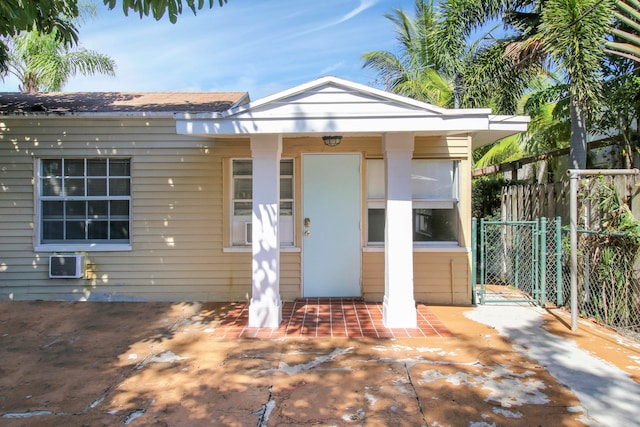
492 79
414 70
625 30
505 150
42 63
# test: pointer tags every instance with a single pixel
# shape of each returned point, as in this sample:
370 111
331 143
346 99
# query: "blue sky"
261 47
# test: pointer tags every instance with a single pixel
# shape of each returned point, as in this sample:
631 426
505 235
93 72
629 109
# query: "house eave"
323 125
102 115
332 105
500 126
485 128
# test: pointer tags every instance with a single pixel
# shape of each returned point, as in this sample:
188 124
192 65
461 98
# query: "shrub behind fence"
608 279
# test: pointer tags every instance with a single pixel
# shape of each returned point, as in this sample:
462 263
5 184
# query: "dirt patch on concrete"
95 364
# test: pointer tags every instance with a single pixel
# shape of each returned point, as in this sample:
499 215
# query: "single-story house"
328 189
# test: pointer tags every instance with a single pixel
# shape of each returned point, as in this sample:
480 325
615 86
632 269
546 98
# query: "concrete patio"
162 364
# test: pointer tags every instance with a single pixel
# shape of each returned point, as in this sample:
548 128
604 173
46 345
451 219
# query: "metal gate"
514 263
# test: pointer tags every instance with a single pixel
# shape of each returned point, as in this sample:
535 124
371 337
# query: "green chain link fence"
511 256
608 244
514 254
608 280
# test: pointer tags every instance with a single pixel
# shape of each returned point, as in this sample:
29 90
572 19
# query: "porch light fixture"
332 140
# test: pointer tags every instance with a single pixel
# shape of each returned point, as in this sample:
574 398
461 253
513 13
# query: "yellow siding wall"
180 215
373 276
439 277
442 277
177 207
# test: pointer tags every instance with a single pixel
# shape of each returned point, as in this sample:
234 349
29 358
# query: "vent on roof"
38 108
66 266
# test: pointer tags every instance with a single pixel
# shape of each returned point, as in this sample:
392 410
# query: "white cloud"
364 5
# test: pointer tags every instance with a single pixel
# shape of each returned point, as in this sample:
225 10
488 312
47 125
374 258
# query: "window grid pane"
51 187
98 230
73 186
119 167
98 209
96 187
375 221
243 188
119 187
432 179
73 167
286 168
286 188
97 167
435 225
242 167
77 206
375 179
52 167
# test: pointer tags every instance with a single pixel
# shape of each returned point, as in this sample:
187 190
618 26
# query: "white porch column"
399 308
265 309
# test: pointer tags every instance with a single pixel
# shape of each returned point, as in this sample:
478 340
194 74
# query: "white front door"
331 225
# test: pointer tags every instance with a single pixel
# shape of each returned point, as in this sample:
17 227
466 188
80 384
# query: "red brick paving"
328 318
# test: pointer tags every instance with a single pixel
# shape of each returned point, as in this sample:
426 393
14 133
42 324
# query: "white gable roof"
332 105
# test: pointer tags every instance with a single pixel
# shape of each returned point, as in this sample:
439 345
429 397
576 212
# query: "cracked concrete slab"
157 364
608 394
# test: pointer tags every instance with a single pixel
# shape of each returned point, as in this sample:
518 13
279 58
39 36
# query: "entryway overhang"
326 106
333 105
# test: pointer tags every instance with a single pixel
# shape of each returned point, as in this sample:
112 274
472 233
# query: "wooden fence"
531 201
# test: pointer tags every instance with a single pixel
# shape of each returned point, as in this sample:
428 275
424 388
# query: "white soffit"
500 127
333 105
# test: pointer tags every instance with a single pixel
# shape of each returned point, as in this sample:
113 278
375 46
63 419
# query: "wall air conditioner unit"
248 233
66 266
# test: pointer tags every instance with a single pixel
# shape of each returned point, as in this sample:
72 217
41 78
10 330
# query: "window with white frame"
84 201
375 201
434 188
242 202
435 195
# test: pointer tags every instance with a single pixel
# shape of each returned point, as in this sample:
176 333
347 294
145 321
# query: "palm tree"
415 72
573 34
568 35
42 63
45 16
457 73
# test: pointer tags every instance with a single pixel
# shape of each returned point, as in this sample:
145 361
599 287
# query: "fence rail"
526 202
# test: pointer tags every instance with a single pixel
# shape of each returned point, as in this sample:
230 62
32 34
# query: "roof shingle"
13 103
